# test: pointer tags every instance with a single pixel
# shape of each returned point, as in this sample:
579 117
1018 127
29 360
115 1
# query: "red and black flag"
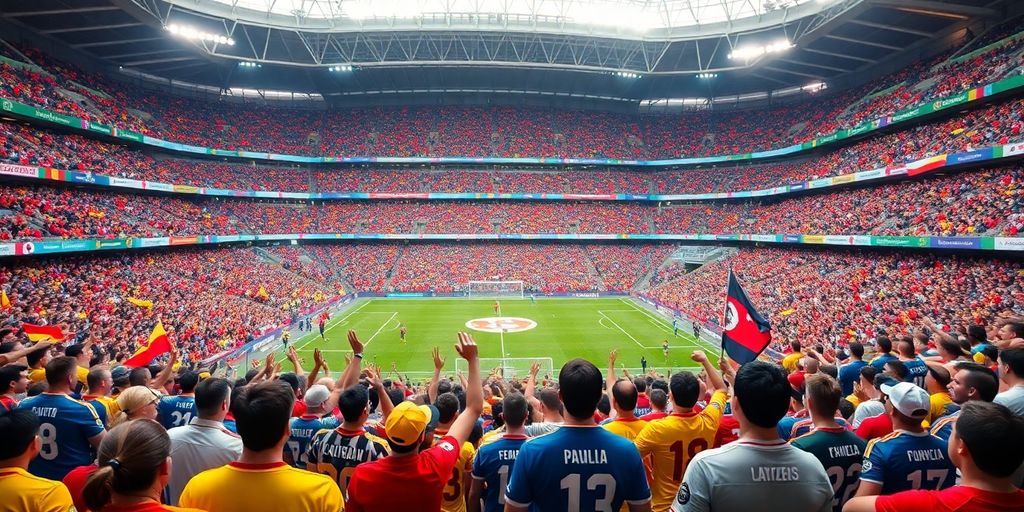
746 332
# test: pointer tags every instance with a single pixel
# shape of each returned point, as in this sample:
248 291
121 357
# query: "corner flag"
746 332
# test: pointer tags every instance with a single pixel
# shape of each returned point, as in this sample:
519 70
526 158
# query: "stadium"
441 232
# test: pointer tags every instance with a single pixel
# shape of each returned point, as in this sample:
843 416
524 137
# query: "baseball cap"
316 395
120 372
408 421
908 399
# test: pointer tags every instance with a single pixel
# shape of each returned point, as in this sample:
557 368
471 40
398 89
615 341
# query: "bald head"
625 394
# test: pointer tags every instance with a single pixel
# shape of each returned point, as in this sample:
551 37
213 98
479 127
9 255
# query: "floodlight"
752 52
194 34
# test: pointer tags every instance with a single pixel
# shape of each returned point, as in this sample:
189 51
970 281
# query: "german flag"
42 332
157 344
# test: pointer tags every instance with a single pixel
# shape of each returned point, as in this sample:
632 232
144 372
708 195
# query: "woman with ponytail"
136 402
134 466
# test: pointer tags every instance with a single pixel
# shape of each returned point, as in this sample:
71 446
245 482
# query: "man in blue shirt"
580 466
178 411
306 426
849 373
884 348
494 462
69 429
909 458
916 369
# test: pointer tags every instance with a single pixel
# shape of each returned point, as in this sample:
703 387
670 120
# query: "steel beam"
893 28
115 42
21 14
939 9
866 43
840 55
86 29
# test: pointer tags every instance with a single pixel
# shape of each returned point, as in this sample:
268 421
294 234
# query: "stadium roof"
626 50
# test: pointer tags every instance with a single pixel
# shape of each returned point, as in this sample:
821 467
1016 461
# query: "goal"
494 290
511 367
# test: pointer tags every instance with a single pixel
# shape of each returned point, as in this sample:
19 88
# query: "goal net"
494 289
511 367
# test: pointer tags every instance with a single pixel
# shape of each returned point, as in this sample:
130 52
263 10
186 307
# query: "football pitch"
557 328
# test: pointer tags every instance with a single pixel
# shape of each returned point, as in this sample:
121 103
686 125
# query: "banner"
19 170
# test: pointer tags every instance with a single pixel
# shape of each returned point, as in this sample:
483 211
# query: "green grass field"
565 329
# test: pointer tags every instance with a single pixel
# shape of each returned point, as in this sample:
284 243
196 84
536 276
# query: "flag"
42 332
262 293
142 303
746 332
5 302
156 345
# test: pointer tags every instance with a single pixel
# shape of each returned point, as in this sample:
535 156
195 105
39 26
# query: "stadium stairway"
394 268
333 269
594 274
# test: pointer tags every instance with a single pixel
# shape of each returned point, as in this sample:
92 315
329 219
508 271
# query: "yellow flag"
5 302
262 293
142 303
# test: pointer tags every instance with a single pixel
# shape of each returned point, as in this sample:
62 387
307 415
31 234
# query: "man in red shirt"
13 382
422 470
987 446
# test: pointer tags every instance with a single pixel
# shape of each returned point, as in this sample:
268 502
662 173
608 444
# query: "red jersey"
656 415
75 482
422 476
875 426
298 409
7 403
728 431
957 498
642 402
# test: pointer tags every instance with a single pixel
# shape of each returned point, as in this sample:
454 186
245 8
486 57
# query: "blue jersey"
303 429
849 374
943 427
65 427
879 362
493 464
805 426
577 468
101 411
917 370
177 411
903 461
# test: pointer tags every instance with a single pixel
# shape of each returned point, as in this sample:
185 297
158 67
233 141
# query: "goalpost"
494 290
511 367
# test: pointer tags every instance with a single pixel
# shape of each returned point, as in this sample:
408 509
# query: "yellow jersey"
83 377
240 487
939 402
626 428
789 362
24 492
671 443
36 374
453 496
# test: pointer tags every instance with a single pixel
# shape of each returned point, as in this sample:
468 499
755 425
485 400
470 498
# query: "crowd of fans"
822 296
969 203
499 131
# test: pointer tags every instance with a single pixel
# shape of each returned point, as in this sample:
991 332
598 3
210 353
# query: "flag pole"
725 313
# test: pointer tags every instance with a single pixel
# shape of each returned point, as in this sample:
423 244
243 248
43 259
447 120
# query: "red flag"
158 344
43 332
746 332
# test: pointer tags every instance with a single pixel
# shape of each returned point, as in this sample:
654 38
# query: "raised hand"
611 357
353 341
292 355
438 360
698 356
318 358
373 376
534 368
466 347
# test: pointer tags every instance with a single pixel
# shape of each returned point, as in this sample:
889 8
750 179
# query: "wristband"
360 356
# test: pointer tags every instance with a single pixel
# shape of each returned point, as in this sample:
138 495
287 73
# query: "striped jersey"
337 452
303 429
65 427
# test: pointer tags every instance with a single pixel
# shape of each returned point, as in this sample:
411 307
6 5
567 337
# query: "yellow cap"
408 421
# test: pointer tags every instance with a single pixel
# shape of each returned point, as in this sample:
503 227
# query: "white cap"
908 399
316 395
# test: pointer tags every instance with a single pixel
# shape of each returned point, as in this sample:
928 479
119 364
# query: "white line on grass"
313 335
381 328
623 330
667 327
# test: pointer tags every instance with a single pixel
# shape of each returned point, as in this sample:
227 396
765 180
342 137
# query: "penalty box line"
630 336
701 344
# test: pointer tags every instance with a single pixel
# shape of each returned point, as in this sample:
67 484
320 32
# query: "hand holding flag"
157 344
37 333
746 333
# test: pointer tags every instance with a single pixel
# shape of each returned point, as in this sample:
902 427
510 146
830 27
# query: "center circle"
501 324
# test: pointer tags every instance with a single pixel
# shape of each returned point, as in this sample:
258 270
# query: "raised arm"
714 377
15 355
436 379
351 374
463 425
294 359
610 379
373 377
165 373
318 362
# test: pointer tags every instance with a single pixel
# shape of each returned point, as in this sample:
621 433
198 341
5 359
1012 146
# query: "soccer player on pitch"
664 349
402 332
497 308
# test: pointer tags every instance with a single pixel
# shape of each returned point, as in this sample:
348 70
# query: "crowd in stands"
823 296
969 203
909 427
498 131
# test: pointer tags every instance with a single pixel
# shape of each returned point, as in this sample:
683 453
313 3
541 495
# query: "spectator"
203 443
133 469
749 473
910 459
13 382
495 462
685 431
600 470
23 491
260 480
987 446
69 429
971 382
178 410
424 470
136 402
1011 371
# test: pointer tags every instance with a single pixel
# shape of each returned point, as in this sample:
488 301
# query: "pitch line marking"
381 328
641 345
344 319
699 341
